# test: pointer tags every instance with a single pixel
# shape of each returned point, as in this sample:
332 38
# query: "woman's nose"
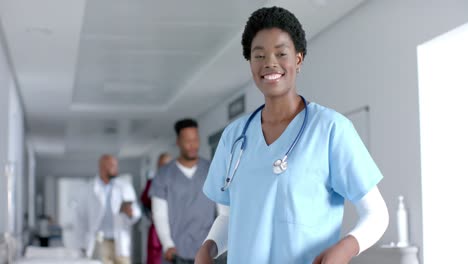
271 61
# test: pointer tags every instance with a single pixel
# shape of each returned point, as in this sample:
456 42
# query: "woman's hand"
340 253
206 253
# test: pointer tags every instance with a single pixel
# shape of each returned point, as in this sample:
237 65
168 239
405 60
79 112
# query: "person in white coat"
105 215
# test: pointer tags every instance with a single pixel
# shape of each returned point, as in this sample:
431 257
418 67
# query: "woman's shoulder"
326 115
235 127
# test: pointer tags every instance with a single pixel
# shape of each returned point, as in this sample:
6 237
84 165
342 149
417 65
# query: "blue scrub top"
291 217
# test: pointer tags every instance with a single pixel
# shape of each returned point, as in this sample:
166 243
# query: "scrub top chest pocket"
303 195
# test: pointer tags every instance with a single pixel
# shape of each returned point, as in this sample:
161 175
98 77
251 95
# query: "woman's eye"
259 56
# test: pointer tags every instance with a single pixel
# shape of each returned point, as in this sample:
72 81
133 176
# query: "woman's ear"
299 60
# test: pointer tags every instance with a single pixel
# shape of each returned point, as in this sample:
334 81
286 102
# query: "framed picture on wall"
213 141
236 107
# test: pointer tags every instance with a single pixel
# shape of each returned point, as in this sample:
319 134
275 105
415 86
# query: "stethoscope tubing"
243 138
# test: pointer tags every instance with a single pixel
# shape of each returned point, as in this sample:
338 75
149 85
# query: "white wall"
5 83
369 58
31 182
16 148
11 139
11 147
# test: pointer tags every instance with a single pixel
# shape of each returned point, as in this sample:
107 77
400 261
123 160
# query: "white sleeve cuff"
373 219
222 209
220 229
161 222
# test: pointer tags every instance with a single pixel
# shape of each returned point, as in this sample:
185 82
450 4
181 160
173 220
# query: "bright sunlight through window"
443 102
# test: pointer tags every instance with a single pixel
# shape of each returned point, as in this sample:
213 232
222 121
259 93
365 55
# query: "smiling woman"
275 49
293 215
274 62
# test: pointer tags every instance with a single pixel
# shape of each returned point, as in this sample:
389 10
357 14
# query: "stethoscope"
279 166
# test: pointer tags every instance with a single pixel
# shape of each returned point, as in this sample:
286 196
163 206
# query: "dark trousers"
179 260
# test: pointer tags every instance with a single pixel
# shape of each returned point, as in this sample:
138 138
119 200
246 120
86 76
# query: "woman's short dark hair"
184 123
273 17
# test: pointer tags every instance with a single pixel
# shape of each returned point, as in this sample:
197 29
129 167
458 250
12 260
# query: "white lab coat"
90 212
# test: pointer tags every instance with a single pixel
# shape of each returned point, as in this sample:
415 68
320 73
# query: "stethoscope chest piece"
280 166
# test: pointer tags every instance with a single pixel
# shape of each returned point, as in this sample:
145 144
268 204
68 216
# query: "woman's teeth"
272 76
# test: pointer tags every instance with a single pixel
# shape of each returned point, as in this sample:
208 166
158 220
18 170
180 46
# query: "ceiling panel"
139 63
133 54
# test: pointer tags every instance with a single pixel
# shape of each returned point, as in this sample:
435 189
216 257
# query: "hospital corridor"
233 132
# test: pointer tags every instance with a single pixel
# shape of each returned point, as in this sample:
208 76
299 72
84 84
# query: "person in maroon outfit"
154 247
